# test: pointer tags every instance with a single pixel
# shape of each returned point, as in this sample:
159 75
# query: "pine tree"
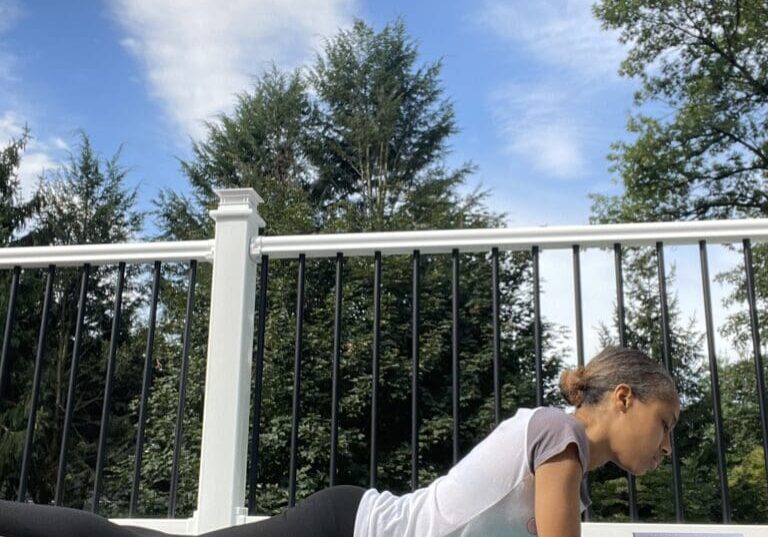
354 150
84 201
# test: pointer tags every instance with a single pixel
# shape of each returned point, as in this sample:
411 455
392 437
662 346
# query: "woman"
525 478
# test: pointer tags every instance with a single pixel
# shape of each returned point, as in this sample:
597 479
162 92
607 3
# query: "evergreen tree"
643 320
84 201
352 150
15 216
14 211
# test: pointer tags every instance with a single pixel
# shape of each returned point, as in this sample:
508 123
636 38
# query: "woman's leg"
33 520
327 513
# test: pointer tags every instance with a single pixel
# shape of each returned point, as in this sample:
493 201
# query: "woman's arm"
557 495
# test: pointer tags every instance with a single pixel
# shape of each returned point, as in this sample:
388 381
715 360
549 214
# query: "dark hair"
611 367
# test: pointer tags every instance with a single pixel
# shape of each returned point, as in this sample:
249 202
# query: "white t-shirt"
489 493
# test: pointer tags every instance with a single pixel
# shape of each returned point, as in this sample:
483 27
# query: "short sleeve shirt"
490 492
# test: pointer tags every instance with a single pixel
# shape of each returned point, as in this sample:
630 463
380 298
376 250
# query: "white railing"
235 252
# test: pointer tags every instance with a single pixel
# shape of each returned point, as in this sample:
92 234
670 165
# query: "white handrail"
398 242
523 238
101 254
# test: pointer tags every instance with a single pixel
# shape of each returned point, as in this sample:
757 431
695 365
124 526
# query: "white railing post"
221 487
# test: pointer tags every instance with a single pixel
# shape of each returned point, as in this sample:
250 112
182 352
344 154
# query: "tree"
705 155
643 323
84 201
14 211
701 155
359 144
383 120
15 215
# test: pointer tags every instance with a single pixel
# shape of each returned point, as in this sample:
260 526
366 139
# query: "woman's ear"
623 396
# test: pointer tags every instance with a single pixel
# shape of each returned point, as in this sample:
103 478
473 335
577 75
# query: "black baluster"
496 335
146 382
633 513
375 367
455 352
296 382
722 472
667 353
580 340
750 273
335 373
27 453
537 328
178 435
415 370
101 456
61 473
5 357
258 381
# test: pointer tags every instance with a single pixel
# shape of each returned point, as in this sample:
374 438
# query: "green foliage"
14 212
702 155
84 202
359 145
383 121
706 153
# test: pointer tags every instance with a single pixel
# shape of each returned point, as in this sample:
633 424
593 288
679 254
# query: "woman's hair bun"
573 385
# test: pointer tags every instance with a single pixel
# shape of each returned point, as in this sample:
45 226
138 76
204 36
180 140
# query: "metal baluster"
146 382
27 453
667 353
722 472
335 373
177 439
537 328
375 367
101 456
61 473
753 322
415 370
455 352
296 382
257 389
633 513
496 335
5 357
580 340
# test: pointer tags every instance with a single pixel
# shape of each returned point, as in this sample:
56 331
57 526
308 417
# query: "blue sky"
535 87
536 92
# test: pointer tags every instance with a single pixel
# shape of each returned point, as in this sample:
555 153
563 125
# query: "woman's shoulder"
549 416
549 431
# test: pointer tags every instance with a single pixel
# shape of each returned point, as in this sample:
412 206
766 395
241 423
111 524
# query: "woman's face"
642 431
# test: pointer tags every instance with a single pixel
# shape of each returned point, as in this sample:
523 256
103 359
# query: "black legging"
327 513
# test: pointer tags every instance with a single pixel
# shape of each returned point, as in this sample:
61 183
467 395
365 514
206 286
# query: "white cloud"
573 63
561 33
60 144
198 54
536 125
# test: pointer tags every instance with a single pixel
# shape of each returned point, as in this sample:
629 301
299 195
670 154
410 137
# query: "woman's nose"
666 447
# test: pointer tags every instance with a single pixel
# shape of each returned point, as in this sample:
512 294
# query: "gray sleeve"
550 431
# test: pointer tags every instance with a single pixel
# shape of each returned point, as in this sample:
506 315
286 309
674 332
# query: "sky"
535 87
